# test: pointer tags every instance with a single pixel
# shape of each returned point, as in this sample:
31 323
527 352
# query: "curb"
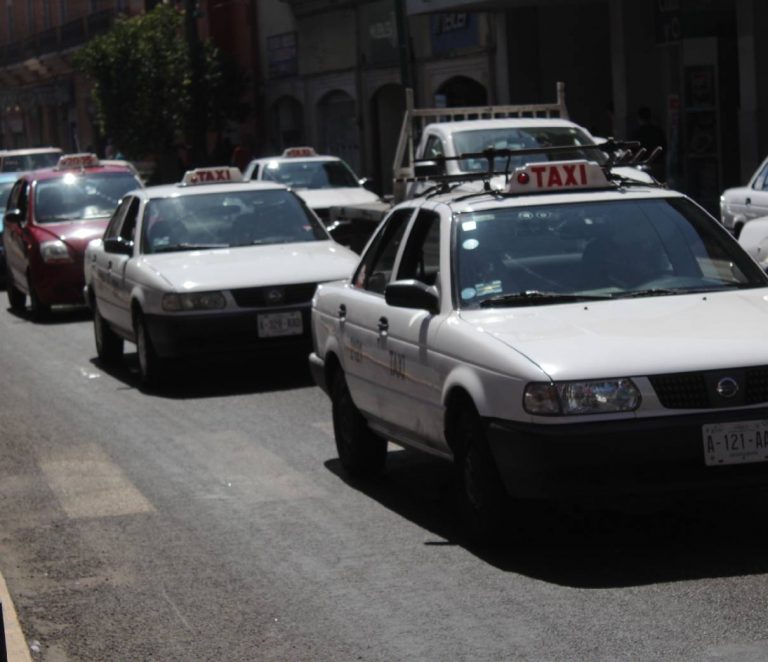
15 642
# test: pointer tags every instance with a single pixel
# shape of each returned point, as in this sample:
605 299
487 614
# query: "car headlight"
55 251
600 396
173 302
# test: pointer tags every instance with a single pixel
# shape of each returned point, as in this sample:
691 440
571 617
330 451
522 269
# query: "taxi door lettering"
397 364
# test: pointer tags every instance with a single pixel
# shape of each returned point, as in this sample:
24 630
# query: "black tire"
16 298
483 500
150 365
37 308
109 346
362 452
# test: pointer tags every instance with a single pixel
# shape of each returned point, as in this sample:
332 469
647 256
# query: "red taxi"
51 216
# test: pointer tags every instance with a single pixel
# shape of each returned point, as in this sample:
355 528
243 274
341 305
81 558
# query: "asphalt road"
211 521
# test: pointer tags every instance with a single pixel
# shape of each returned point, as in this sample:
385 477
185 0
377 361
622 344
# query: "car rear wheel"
361 451
38 309
16 298
482 497
150 365
109 346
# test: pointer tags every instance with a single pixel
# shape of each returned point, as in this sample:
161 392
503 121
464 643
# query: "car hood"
253 266
336 197
77 234
634 337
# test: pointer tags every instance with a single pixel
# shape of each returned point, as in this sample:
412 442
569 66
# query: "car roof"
30 150
460 202
180 190
296 159
503 123
56 173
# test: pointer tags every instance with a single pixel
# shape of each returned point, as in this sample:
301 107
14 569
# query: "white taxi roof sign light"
293 152
76 161
558 176
217 175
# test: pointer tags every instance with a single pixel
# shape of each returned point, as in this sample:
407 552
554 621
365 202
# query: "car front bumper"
228 333
621 458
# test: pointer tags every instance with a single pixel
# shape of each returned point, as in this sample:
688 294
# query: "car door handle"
383 326
748 201
109 265
342 312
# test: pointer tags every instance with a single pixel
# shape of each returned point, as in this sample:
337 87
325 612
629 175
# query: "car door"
756 200
365 359
16 234
118 287
412 382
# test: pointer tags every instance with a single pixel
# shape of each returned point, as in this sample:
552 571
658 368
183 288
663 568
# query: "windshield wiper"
669 291
182 246
532 297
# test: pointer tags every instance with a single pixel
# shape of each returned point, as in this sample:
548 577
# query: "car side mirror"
429 168
12 217
118 245
412 294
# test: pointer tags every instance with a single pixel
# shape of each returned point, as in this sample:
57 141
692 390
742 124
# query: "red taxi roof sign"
293 152
77 161
556 176
217 175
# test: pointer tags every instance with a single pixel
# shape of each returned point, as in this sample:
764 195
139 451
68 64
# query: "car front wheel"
150 365
482 496
361 451
38 309
16 298
109 346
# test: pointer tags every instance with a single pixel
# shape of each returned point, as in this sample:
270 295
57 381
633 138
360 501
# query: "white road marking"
88 484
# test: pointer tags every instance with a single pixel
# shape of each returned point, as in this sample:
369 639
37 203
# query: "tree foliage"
142 83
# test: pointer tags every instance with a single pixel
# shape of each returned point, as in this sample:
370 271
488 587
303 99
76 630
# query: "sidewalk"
15 643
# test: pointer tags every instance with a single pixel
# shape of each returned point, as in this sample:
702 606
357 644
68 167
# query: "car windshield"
22 162
81 196
224 220
311 174
538 254
477 140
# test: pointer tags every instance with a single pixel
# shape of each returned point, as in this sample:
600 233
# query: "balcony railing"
61 38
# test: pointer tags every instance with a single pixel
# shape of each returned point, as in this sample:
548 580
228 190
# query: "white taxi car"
741 204
323 181
572 334
213 264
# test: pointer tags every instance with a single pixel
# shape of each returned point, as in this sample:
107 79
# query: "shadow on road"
57 315
598 545
209 377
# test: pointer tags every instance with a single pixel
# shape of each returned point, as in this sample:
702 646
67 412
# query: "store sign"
453 31
282 55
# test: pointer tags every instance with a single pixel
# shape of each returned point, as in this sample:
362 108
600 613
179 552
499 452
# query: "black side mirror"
12 217
412 294
429 168
118 245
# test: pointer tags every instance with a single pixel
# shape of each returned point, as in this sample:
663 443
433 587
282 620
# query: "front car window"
311 174
81 196
605 249
227 220
477 140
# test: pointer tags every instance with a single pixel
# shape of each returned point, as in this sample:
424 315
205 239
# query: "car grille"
698 390
274 296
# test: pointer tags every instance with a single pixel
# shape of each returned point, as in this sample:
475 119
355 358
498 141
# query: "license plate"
735 443
280 324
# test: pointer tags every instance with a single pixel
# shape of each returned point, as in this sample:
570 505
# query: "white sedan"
741 204
212 264
573 335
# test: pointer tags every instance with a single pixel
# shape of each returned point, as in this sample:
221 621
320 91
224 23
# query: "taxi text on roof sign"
299 151
217 175
557 176
74 161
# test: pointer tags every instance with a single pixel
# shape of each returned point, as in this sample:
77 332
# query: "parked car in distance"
323 181
741 204
754 239
212 265
30 158
50 217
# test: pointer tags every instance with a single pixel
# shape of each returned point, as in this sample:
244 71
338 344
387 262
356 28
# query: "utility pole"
403 45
